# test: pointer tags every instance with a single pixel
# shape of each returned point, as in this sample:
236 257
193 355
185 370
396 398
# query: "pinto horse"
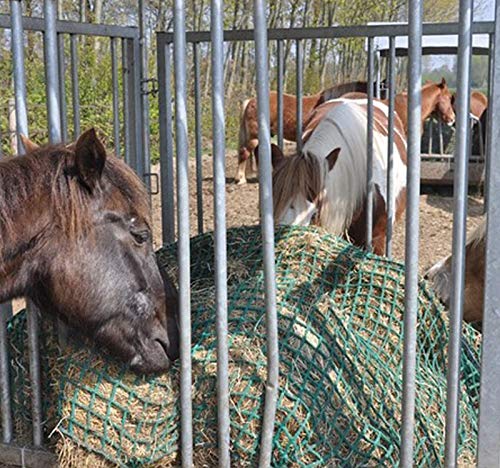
436 100
75 239
441 277
249 126
326 183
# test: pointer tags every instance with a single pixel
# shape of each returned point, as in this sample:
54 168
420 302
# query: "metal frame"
135 124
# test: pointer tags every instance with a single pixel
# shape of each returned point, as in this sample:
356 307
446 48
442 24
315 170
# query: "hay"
340 327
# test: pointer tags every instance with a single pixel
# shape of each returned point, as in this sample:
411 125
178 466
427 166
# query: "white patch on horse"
344 126
300 213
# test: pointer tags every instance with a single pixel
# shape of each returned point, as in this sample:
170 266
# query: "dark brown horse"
75 238
249 126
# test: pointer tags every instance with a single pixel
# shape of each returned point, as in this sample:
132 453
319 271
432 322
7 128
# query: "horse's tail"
243 133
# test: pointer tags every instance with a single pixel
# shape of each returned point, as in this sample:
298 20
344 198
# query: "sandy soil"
436 212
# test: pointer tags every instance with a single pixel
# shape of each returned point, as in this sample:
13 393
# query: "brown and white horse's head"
299 186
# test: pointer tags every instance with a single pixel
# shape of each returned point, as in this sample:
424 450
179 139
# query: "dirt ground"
436 212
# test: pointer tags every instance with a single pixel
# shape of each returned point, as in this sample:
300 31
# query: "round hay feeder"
340 329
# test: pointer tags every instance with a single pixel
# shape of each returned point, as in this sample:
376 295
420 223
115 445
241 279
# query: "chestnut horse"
249 126
436 99
75 239
326 183
441 278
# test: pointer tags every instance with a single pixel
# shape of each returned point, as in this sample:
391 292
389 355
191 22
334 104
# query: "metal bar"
429 143
377 80
166 147
460 187
73 27
281 68
362 31
17 43
267 221
487 162
489 408
51 71
143 124
181 136
19 72
24 456
441 142
299 63
126 103
5 392
116 99
62 88
75 85
133 100
197 119
415 13
369 148
136 101
391 81
219 152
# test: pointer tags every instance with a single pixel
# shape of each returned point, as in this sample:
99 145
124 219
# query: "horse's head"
93 264
443 104
299 186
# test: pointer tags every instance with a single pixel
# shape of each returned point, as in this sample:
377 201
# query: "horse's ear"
332 158
29 146
276 154
443 82
90 157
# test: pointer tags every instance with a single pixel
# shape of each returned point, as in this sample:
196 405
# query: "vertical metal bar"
489 408
6 309
133 100
219 151
487 162
51 71
441 142
116 100
415 13
19 74
181 136
143 124
281 68
391 81
298 92
460 186
431 129
126 103
369 147
137 93
5 393
197 118
166 147
62 88
377 81
75 85
267 221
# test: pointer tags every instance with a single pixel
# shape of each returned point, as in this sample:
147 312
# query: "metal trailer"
172 49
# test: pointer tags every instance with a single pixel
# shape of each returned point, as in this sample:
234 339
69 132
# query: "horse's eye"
140 237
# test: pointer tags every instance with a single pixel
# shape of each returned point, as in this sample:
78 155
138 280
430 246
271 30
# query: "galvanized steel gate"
136 152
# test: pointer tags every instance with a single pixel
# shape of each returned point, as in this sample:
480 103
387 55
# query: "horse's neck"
26 218
429 95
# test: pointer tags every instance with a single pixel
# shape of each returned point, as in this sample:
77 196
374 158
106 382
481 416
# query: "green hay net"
341 343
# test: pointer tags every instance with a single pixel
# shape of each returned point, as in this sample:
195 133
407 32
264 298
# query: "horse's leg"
244 154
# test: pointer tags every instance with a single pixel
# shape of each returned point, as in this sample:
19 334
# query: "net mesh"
340 315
